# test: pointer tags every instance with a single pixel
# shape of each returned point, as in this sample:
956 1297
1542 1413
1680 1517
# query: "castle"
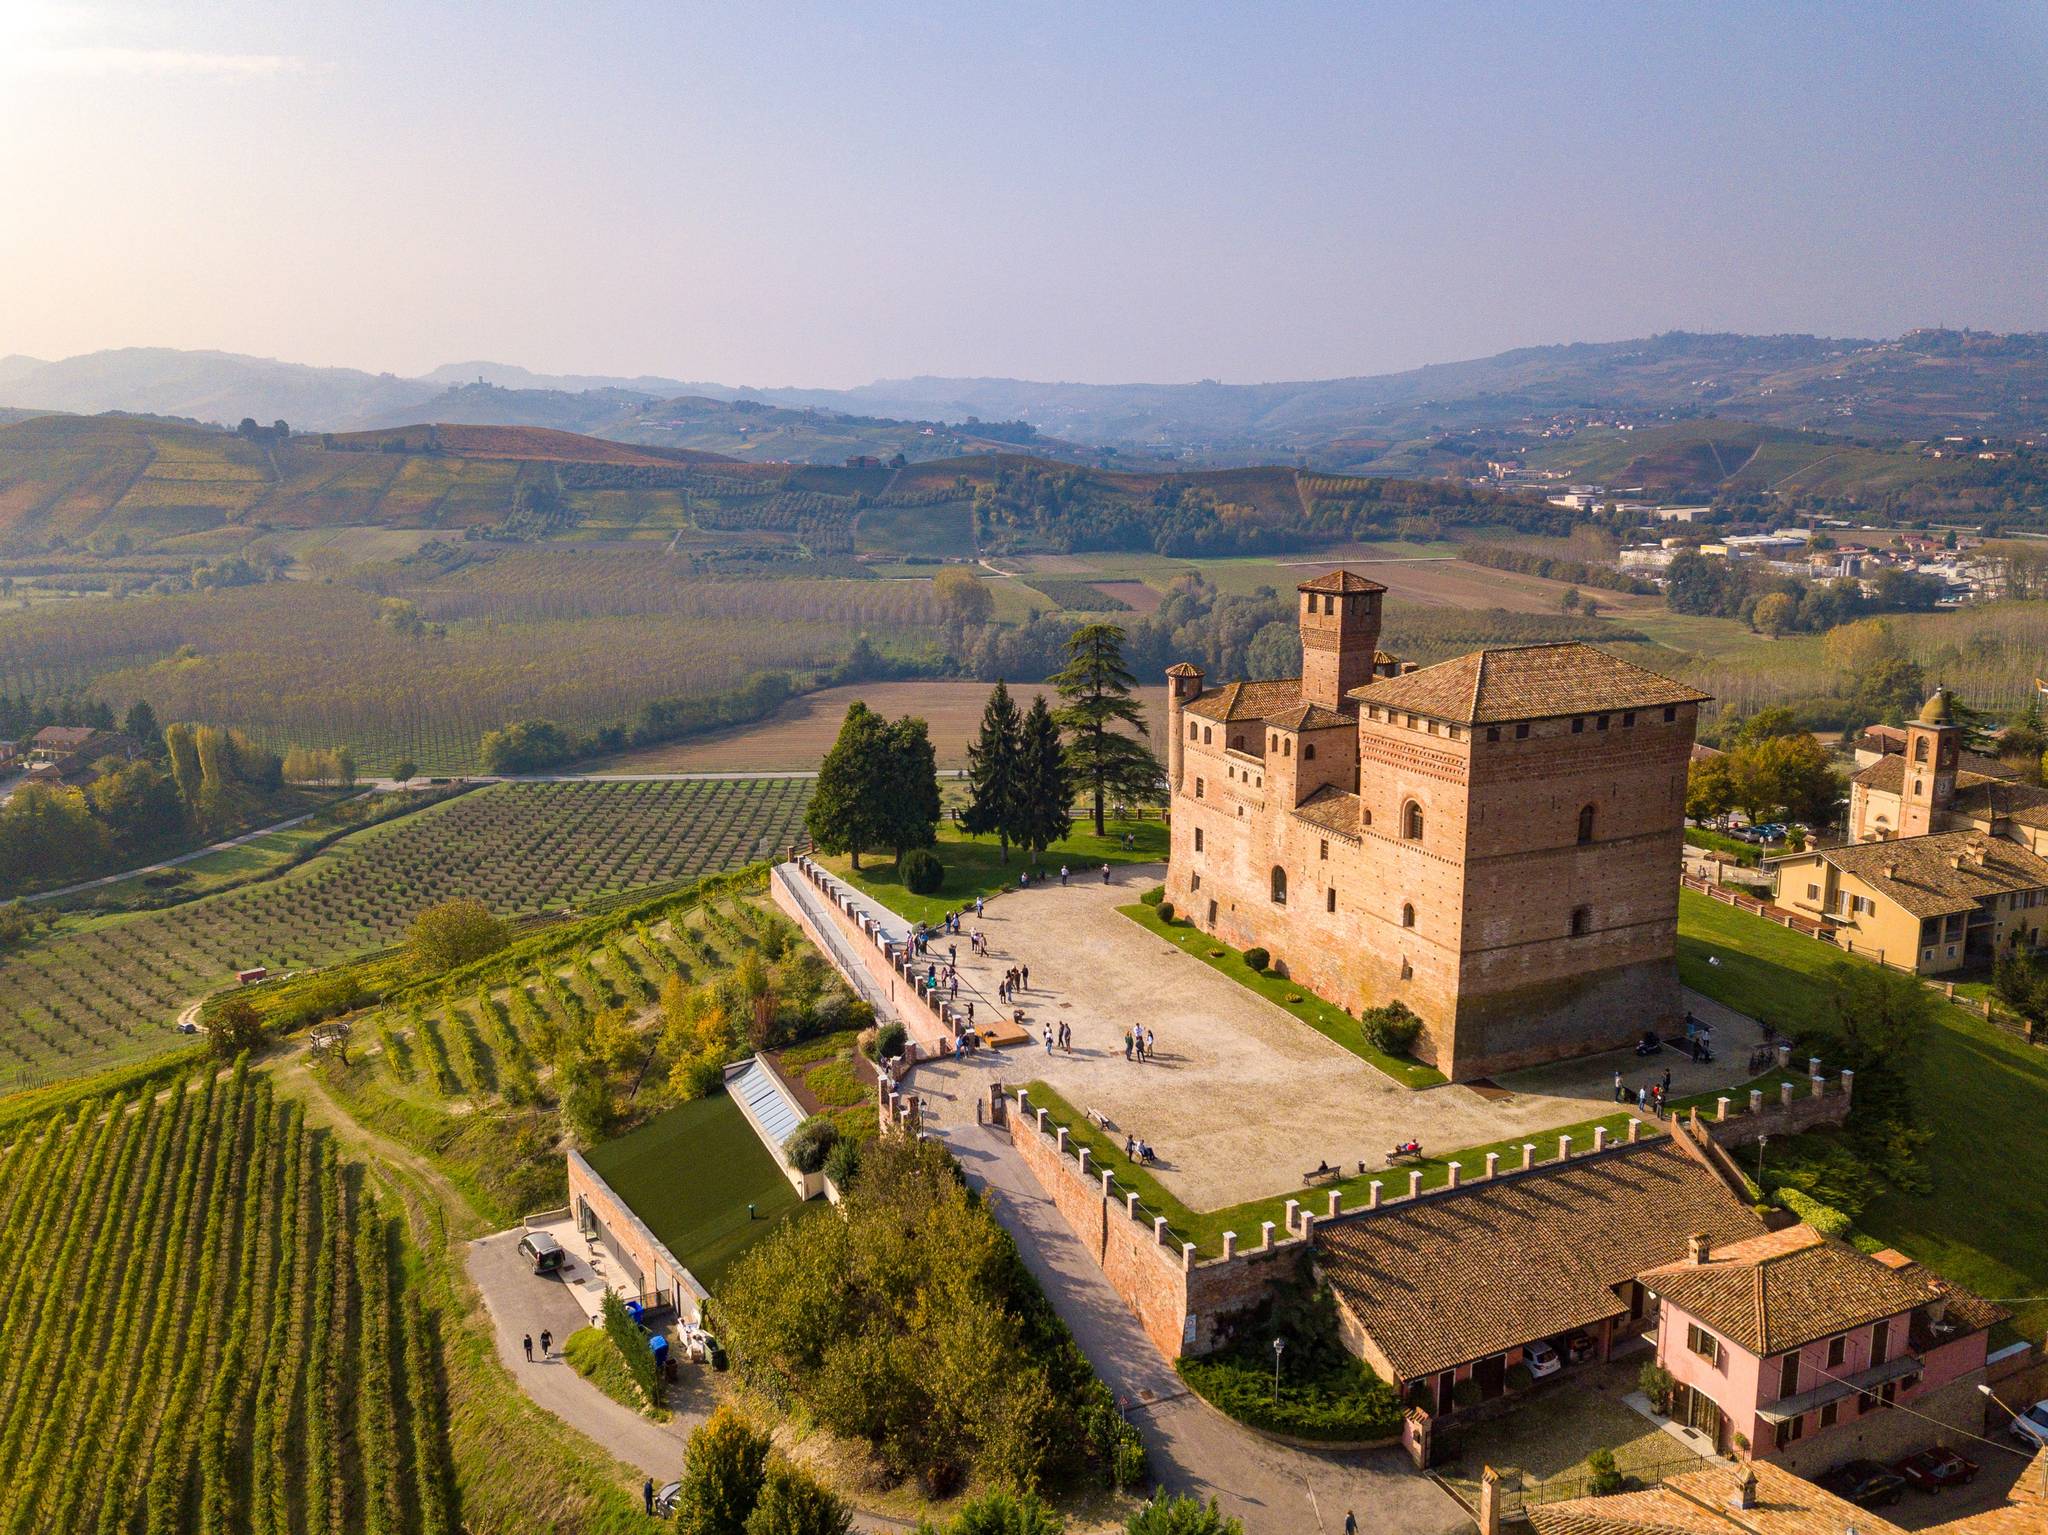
1493 840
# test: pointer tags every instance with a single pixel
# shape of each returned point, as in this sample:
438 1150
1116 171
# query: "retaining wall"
661 1278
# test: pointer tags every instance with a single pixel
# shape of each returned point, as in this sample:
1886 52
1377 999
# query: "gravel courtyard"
1242 1099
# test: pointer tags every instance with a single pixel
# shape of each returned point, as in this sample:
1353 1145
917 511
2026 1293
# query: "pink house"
1795 1347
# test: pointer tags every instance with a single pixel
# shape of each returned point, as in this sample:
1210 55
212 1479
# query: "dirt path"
293 1075
171 863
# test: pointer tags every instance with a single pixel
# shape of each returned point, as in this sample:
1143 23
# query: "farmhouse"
1490 840
1800 1345
1948 865
1454 1286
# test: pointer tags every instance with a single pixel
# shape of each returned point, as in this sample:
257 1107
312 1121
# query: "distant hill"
209 386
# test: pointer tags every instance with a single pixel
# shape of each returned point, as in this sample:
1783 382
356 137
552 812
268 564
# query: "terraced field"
98 991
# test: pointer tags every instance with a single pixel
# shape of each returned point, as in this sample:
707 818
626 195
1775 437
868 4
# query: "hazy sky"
781 194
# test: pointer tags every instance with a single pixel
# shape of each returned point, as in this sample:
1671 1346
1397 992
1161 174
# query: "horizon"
801 197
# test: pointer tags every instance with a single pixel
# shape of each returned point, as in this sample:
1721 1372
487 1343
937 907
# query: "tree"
964 600
140 726
792 1502
1182 1516
1000 1512
1709 788
184 765
137 803
994 772
1590 607
47 830
1045 793
1096 688
1775 613
454 933
1878 1014
847 812
526 746
234 1027
910 791
723 1474
1790 773
405 771
1569 602
1891 689
1275 651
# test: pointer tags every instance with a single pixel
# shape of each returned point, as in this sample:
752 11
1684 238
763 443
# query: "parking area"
1241 1098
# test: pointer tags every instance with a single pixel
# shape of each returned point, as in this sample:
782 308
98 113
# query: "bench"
1323 1175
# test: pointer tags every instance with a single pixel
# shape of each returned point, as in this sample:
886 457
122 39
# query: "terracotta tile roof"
1306 716
1339 581
1941 873
1331 808
1247 700
1525 682
63 737
1790 1288
2001 799
1183 669
1887 775
1467 1273
1703 1503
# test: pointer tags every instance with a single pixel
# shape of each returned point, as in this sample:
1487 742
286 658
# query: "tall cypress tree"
847 807
1043 789
993 771
1096 687
910 799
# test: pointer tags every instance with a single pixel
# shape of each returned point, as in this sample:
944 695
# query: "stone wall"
660 1278
1744 1119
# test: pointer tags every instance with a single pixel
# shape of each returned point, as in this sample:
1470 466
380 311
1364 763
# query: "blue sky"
824 194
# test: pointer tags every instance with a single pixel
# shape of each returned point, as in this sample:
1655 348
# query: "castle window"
1308 751
1194 882
1628 720
1578 727
1601 723
1279 886
1670 713
1330 899
1586 824
1329 603
1522 731
1916 786
1326 849
1287 747
1493 732
1407 970
1208 736
1920 750
1365 816
1198 788
1272 743
1582 921
1194 730
1407 914
1198 839
1411 821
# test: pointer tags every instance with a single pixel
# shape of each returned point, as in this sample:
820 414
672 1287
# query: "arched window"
1407 914
1330 903
1308 751
1582 921
1365 815
1198 839
1287 747
1411 821
1920 750
1279 886
1586 824
1208 736
1193 730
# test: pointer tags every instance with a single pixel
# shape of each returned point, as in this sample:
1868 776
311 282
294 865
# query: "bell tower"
1934 747
1340 633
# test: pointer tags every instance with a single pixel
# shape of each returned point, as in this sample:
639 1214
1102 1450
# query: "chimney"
1697 1247
1745 1489
1891 871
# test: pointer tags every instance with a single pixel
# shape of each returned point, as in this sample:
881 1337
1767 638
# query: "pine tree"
1043 791
993 771
910 800
1096 687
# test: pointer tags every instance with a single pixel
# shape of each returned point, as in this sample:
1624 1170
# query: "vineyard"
209 1327
97 991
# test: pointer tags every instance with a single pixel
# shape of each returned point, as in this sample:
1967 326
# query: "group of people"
1139 1043
1063 1039
1137 1150
547 1345
1015 979
1649 1097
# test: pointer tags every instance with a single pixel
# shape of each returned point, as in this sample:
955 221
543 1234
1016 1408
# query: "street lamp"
2015 1417
1279 1348
1761 1142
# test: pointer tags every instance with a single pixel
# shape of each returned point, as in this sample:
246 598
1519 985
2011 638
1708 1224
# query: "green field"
1982 1092
691 1173
97 991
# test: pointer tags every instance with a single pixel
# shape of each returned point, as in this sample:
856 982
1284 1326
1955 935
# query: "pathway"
172 863
1274 1488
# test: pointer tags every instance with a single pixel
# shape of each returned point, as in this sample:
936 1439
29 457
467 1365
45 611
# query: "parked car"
1935 1468
1542 1360
542 1251
1865 1483
2031 1426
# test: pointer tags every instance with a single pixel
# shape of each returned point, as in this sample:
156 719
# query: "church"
1493 840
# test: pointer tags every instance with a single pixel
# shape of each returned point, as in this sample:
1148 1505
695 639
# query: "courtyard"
1241 1099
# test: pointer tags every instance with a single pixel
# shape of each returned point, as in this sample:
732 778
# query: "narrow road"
172 863
1276 1489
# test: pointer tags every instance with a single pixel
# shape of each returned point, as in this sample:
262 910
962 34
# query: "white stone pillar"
1293 1211
1059 1136
1336 1203
1229 1245
1599 1137
1086 1157
1158 1228
1187 1255
1452 1180
1785 1094
1819 1083
1308 1225
1848 1081
1373 1196
1108 1178
1528 1155
1721 1107
1564 1148
1492 1165
1634 1129
1414 1182
1265 1236
1756 1100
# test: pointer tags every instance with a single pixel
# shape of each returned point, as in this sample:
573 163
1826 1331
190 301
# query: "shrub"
632 1346
810 1143
922 872
1658 1384
793 1503
1127 1462
1182 1516
1002 1513
723 1474
1825 1219
889 1041
1606 1476
235 1026
1465 1393
842 1163
1166 911
1256 958
1392 1029
454 933
1344 1402
1520 1377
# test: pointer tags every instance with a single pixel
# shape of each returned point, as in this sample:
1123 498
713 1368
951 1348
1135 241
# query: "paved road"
172 863
1274 1488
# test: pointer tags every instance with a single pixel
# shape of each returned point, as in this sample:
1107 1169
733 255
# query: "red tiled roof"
1339 581
1525 682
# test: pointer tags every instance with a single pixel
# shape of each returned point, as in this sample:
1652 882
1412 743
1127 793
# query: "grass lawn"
1327 1019
596 1358
974 865
690 1173
1205 1228
1981 1091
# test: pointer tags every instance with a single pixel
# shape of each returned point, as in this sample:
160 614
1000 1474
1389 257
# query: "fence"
1517 1497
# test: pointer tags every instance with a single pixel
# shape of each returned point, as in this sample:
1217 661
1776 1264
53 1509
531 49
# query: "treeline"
539 746
1529 563
1780 604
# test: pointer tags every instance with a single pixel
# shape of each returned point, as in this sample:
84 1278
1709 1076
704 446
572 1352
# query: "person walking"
1642 1098
1063 876
1105 874
528 1341
547 1344
1048 1041
647 1495
1127 1044
980 905
1617 1087
1667 1079
1350 1523
1024 976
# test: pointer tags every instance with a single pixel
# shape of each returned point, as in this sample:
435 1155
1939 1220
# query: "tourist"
1127 1044
980 905
1667 1079
970 1015
1024 976
1063 876
1617 1087
547 1344
529 1348
1350 1523
1642 1098
1105 874
1048 1041
952 953
647 1495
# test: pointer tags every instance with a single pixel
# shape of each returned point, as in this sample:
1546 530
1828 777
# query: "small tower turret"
1183 687
1934 748
1340 634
